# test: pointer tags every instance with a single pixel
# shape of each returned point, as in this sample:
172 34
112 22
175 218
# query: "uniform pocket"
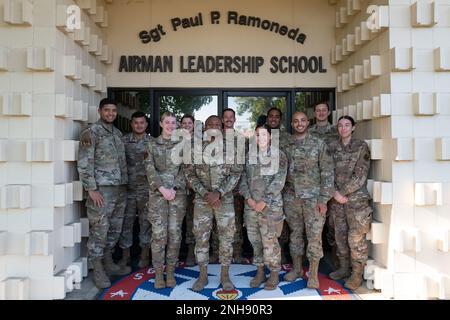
363 217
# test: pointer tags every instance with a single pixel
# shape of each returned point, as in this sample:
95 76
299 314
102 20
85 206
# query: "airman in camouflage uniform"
167 202
213 183
309 186
137 191
262 226
327 132
103 173
350 205
274 117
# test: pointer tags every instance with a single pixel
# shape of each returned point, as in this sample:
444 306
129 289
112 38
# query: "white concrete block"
92 78
68 236
376 147
403 149
18 12
425 104
70 150
367 109
16 104
343 18
407 240
359 111
43 196
77 191
345 82
84 227
353 7
352 111
41 243
442 239
63 106
402 59
60 195
4 58
41 151
423 13
80 111
382 192
3 243
428 194
441 59
41 59
339 84
381 105
17 288
379 233
443 148
350 43
93 43
15 197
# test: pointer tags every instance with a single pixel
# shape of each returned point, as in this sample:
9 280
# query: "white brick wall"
43 107
411 219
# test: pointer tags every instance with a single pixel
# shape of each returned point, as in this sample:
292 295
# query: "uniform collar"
106 126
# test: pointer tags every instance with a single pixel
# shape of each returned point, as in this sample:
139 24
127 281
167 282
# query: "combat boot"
159 279
313 279
355 280
144 260
190 259
273 281
237 255
225 281
100 278
202 280
170 277
111 268
125 260
297 269
259 278
343 271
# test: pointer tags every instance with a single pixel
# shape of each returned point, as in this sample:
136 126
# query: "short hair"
106 101
275 108
262 119
322 102
229 109
167 114
188 116
139 114
348 118
264 126
213 117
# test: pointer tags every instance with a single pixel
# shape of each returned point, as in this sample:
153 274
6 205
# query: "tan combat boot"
343 271
170 277
259 278
100 278
273 281
190 259
159 278
313 278
225 281
111 268
144 260
297 269
202 280
125 260
355 280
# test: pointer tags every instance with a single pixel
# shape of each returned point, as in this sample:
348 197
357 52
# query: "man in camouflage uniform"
167 201
261 185
309 186
327 132
213 179
137 191
350 205
274 118
103 172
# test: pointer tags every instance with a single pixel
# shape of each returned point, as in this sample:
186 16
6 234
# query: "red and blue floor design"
139 285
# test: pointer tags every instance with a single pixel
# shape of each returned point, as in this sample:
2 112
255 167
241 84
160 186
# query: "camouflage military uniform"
190 238
353 219
102 167
262 227
310 180
165 216
204 178
137 192
285 139
329 134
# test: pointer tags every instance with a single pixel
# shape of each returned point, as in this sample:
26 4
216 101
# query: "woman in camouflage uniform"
261 186
167 201
350 205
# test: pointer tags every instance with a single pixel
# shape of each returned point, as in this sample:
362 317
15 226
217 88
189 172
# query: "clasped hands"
168 194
